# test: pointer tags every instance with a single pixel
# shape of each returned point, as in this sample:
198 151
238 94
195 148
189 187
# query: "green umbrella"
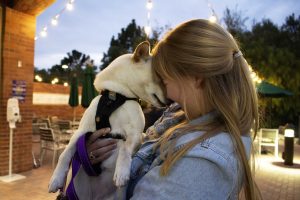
266 89
73 98
88 89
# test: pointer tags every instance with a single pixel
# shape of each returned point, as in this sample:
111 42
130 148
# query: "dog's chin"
158 102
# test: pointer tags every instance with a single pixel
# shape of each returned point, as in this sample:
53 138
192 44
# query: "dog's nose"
169 102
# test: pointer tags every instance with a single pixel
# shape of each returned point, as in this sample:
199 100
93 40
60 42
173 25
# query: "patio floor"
275 180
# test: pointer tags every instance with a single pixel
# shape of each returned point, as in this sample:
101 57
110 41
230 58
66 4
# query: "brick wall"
63 111
18 46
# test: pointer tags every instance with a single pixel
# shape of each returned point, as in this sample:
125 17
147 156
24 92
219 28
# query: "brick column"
18 46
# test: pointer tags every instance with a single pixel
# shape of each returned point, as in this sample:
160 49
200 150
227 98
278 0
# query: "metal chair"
36 127
46 121
50 140
268 137
64 125
75 125
36 131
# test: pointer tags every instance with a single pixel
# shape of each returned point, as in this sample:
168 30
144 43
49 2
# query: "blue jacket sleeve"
190 178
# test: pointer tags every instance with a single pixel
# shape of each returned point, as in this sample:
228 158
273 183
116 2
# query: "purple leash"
80 158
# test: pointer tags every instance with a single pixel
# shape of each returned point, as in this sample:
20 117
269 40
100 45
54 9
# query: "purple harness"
108 103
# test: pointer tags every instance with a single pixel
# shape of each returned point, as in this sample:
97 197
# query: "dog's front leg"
123 164
87 123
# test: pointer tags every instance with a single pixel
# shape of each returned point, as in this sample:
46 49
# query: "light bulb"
149 4
54 21
213 19
289 133
69 6
65 66
147 30
43 33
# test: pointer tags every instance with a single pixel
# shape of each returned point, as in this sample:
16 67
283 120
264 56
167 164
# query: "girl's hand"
99 149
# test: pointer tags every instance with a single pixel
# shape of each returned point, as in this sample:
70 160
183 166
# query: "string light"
213 18
69 5
54 81
65 66
254 76
38 78
43 33
54 20
147 30
149 6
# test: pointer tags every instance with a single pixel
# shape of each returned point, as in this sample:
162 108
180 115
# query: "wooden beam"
32 7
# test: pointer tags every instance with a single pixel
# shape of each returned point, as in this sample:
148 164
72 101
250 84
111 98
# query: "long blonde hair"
199 48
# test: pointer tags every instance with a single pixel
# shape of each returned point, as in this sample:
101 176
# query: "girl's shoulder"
219 148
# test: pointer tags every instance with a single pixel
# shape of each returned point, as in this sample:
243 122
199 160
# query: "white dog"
130 75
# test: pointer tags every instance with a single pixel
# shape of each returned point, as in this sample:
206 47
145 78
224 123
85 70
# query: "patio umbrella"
88 89
73 98
270 91
266 89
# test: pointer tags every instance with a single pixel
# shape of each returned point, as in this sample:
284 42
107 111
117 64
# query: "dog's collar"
113 96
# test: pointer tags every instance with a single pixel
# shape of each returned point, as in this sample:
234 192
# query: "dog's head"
132 76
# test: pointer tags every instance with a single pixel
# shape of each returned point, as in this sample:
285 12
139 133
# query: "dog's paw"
121 177
55 183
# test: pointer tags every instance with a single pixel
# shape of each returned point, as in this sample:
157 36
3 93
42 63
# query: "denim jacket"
209 170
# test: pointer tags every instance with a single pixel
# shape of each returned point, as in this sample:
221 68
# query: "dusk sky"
90 26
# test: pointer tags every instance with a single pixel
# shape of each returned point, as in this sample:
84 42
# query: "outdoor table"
66 135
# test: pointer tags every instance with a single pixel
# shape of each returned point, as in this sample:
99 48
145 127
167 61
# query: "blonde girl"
204 71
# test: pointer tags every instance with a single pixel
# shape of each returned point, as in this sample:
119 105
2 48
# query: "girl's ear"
199 82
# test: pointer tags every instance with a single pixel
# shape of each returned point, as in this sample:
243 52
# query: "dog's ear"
142 51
